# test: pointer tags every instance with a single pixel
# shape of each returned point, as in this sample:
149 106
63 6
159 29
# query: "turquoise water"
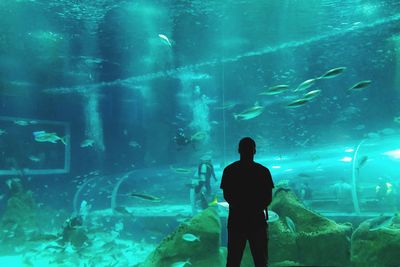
107 108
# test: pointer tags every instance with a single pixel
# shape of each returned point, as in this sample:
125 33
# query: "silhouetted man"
247 187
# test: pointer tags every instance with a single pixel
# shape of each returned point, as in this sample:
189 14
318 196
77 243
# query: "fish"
249 113
145 197
181 263
134 144
34 158
21 122
43 136
190 237
290 224
122 210
181 170
362 161
2 132
305 85
274 90
396 119
360 85
332 73
87 143
380 222
165 40
297 103
199 136
312 94
227 105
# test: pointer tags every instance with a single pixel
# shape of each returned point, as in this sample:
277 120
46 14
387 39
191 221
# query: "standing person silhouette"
247 187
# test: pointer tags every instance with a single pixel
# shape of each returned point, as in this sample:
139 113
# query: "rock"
316 237
204 253
378 247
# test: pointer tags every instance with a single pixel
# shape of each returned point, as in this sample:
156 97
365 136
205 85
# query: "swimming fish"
396 119
43 136
362 161
274 90
2 132
272 216
332 73
34 158
312 94
305 85
297 103
360 85
145 197
122 210
181 263
190 237
181 170
199 136
290 224
87 143
249 113
380 222
165 40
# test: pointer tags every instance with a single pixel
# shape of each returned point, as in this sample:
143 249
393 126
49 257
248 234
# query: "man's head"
247 147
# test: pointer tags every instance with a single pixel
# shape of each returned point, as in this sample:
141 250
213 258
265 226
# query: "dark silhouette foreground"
247 187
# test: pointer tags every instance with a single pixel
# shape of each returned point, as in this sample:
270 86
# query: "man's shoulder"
233 165
261 167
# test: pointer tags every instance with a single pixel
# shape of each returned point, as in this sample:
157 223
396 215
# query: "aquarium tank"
117 118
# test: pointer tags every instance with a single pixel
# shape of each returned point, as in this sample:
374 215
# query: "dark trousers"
258 241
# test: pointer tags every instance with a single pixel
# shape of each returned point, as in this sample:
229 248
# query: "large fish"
332 73
249 113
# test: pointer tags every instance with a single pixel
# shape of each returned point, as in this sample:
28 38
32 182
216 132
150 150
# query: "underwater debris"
190 237
332 73
249 113
360 85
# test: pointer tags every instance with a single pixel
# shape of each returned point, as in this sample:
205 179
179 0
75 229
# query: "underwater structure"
112 110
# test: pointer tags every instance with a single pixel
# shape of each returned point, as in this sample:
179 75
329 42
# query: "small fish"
297 103
165 40
311 95
2 131
87 143
215 202
362 161
181 263
190 237
122 210
305 85
277 89
290 224
396 119
181 170
360 85
249 113
332 73
43 136
34 158
134 144
227 105
21 122
145 197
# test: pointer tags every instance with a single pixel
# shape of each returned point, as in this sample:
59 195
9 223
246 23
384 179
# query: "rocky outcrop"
204 252
376 243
